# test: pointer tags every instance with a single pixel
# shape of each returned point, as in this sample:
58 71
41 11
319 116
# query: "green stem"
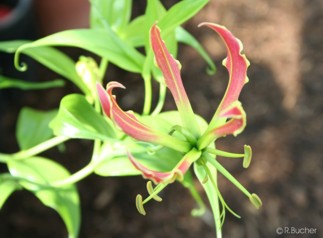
96 150
4 158
228 175
103 68
76 177
161 100
216 208
85 171
40 147
224 153
8 176
148 95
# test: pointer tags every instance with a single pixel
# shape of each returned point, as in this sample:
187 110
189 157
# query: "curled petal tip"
114 84
106 98
209 24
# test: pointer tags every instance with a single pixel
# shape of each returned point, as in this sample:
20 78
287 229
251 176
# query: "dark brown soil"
284 103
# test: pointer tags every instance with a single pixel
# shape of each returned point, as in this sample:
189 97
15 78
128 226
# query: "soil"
283 40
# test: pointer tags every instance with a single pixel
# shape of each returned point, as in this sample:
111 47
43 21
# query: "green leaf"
168 21
114 160
7 187
11 46
104 43
185 37
114 13
56 61
135 32
180 13
116 166
154 12
36 175
6 82
32 127
49 57
76 118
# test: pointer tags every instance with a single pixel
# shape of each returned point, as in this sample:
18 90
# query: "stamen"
140 205
224 153
152 195
255 200
150 190
247 156
225 206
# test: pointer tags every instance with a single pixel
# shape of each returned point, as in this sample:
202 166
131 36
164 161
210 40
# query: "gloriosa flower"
229 118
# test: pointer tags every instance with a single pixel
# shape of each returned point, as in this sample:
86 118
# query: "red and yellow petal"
234 122
170 68
131 125
167 177
236 64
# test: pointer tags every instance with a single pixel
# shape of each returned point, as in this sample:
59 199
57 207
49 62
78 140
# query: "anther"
247 156
140 205
150 190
